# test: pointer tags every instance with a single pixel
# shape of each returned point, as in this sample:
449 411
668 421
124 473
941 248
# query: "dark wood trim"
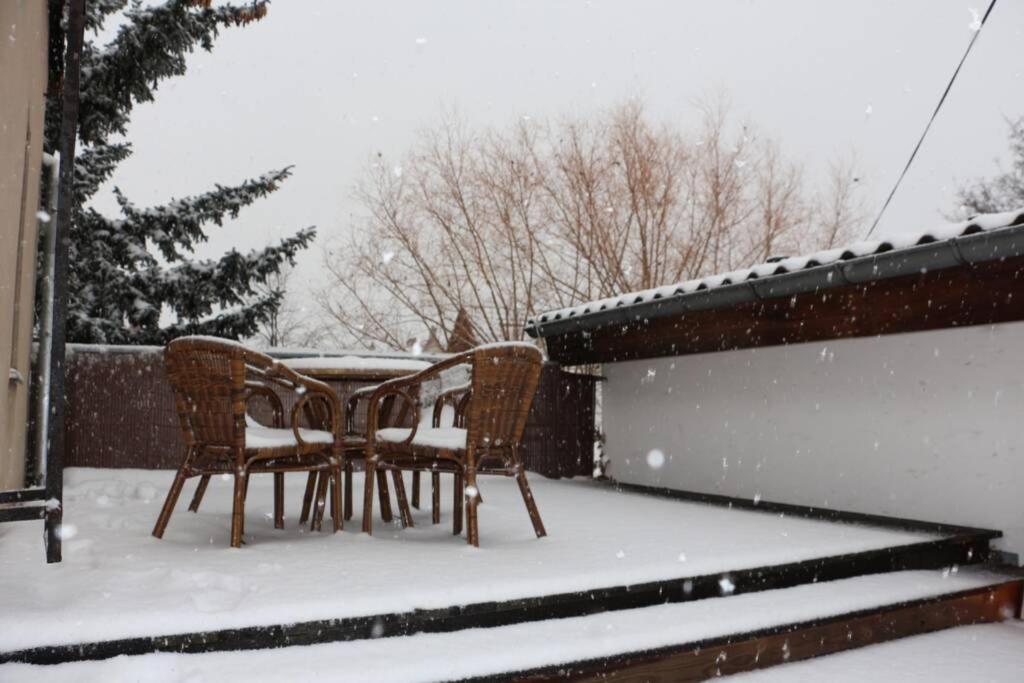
934 554
22 513
960 296
68 137
22 495
811 512
760 649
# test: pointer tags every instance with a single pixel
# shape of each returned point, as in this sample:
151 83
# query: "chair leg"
531 504
172 498
472 503
384 495
238 509
278 500
321 502
458 502
337 514
435 494
197 498
348 490
330 495
370 471
416 489
307 498
405 514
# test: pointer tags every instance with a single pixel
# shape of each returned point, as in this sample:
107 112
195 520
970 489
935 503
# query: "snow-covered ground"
117 581
969 654
480 652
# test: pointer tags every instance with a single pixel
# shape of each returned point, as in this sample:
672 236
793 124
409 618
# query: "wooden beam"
65 197
790 643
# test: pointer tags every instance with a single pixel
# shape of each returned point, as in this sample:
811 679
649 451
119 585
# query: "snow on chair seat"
451 438
267 437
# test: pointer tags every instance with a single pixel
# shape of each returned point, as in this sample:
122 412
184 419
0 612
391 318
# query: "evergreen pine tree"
126 271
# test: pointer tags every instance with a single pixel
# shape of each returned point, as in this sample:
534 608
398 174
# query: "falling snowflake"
655 459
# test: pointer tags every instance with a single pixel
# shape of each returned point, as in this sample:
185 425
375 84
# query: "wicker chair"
489 419
214 382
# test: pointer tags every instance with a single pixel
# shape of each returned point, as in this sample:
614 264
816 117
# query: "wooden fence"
121 414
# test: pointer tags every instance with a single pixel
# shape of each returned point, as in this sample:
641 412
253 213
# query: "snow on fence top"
775 267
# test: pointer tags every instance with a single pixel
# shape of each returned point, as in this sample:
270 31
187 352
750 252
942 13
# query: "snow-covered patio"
118 582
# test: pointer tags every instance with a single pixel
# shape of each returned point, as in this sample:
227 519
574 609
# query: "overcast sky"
324 85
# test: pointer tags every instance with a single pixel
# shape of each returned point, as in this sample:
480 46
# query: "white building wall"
927 425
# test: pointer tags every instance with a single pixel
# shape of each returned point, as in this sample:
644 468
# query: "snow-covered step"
983 652
120 591
680 641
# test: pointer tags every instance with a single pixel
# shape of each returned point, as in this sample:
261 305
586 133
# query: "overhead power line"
942 100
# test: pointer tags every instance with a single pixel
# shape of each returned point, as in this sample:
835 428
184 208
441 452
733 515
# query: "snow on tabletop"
983 652
482 652
218 340
357 363
118 581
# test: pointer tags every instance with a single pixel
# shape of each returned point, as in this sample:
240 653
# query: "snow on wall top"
977 224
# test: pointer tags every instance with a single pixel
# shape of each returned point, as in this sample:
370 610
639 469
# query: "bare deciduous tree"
506 224
292 324
1005 192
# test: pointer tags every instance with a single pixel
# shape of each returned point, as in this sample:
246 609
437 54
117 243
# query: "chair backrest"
505 378
208 378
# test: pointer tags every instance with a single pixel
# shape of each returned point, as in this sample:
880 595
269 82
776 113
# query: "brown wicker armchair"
214 380
490 412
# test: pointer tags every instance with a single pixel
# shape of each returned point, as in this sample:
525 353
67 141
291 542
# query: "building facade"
23 75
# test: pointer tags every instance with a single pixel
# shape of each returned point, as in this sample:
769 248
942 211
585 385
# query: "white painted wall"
928 425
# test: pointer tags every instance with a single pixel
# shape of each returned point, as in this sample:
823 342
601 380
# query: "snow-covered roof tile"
779 267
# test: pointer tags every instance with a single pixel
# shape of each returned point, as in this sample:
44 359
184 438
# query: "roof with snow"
985 237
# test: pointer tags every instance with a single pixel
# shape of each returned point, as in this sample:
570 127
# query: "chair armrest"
456 396
361 394
399 388
257 390
407 388
307 388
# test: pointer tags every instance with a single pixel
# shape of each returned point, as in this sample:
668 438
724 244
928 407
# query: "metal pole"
42 408
62 229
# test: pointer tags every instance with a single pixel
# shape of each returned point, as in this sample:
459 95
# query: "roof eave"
978 247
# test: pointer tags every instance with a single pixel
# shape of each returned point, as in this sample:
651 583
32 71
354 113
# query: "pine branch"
194 289
95 165
150 47
176 227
